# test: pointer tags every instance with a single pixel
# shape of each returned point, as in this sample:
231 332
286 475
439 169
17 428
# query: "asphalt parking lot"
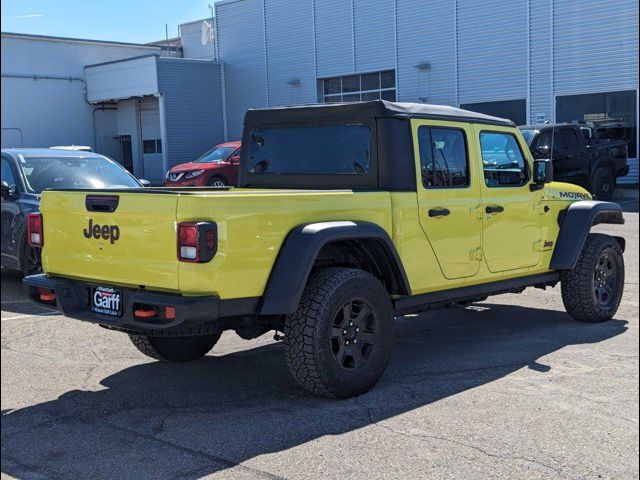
508 388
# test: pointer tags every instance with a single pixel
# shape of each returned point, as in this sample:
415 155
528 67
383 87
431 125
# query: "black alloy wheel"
605 280
354 334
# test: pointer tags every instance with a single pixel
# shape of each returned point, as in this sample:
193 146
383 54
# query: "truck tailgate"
133 245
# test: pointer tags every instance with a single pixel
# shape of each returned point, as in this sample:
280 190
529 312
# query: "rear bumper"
193 315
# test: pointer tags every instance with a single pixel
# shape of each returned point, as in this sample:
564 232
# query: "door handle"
439 212
494 209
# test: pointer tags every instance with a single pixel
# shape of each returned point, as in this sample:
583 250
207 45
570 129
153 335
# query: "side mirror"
9 192
144 182
235 159
543 150
542 171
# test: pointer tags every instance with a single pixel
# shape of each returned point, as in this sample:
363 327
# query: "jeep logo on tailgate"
106 232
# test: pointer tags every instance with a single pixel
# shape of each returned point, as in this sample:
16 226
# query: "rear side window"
314 150
502 160
443 158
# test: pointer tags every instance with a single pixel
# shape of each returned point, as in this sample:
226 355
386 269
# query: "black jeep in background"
594 164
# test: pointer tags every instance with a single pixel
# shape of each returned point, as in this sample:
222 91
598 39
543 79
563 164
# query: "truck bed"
251 223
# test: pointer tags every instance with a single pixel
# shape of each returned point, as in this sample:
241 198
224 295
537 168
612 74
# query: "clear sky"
137 21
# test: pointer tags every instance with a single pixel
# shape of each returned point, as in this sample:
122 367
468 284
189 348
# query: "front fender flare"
299 252
575 224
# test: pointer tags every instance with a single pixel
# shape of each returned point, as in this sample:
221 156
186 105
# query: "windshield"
317 150
529 135
74 173
216 155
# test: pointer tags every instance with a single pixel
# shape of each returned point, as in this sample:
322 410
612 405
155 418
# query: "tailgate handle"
102 203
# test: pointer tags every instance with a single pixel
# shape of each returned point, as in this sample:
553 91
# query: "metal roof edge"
197 21
112 43
123 60
188 60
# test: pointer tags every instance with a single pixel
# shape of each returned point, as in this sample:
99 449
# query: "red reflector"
210 237
46 295
144 313
34 230
170 313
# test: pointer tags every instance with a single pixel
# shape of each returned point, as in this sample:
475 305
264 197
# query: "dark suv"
26 172
578 158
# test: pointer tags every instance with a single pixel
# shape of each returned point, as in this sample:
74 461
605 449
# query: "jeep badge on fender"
106 232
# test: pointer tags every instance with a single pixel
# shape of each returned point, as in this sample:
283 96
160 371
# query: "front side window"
544 139
503 162
7 173
529 135
567 139
74 173
314 150
443 157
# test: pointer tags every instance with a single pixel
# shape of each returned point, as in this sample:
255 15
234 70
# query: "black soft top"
367 110
393 166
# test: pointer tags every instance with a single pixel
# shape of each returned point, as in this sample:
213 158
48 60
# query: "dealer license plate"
106 301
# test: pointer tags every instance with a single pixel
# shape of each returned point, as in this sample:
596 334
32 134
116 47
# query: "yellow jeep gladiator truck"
346 216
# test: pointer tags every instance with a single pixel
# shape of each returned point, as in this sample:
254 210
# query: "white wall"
191 41
51 112
48 112
123 79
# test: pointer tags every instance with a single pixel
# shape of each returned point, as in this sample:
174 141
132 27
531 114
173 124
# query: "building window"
609 115
358 88
152 146
443 157
514 110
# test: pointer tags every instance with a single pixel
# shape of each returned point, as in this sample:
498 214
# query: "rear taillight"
197 241
35 236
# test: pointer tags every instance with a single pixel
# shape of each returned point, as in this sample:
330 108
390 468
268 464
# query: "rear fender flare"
299 252
575 224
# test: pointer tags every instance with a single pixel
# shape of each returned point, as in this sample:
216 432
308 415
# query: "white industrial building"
153 106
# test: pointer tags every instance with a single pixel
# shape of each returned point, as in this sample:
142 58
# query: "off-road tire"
309 343
217 181
175 349
579 285
603 183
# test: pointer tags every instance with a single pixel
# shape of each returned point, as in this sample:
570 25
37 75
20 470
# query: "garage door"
151 141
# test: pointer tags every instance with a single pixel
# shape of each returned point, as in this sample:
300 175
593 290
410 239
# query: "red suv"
217 167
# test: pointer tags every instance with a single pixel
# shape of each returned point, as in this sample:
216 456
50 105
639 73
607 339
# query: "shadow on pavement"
14 301
159 420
